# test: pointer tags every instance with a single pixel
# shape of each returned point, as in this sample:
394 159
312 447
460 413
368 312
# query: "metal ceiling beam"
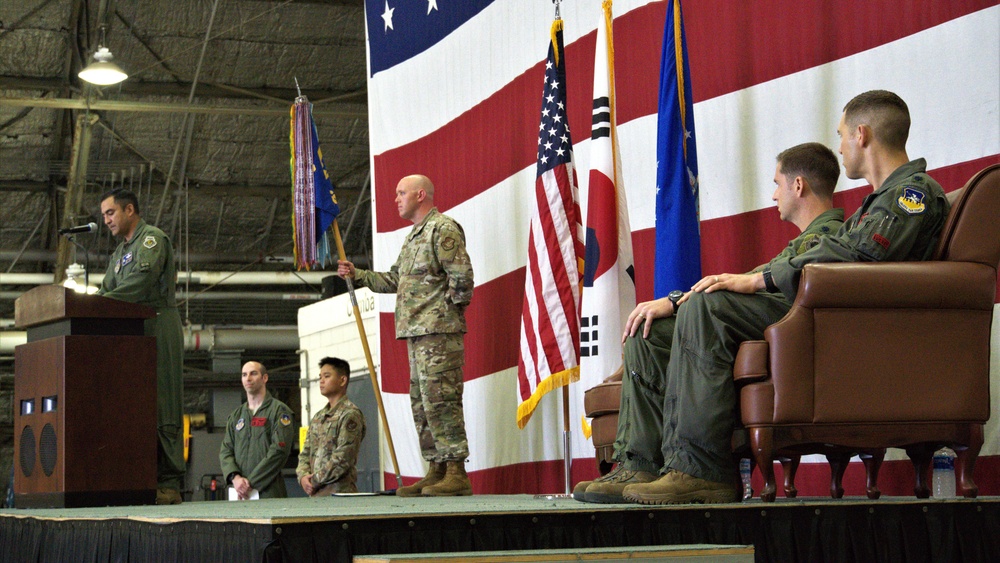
160 107
181 88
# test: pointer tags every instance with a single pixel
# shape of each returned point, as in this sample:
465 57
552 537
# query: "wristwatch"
675 296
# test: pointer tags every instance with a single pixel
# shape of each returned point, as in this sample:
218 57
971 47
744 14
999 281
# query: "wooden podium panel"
85 416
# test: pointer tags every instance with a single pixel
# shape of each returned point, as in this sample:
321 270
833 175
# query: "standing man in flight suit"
141 270
259 437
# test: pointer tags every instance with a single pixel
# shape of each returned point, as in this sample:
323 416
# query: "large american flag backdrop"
453 93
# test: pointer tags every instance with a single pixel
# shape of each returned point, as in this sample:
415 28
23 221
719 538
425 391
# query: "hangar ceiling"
199 130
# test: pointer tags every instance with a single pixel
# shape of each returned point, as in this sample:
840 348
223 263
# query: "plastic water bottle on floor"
943 477
745 474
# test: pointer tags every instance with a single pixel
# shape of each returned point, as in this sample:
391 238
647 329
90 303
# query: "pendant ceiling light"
102 71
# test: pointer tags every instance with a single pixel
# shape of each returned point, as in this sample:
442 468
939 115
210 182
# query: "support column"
76 187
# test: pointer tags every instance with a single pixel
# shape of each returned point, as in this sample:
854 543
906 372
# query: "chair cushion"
603 399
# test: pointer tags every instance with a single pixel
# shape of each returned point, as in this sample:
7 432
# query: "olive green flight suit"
640 422
902 220
257 446
142 271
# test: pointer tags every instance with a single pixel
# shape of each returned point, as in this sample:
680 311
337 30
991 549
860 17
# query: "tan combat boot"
435 472
167 496
455 483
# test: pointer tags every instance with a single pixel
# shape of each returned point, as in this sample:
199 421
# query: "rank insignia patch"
912 201
239 424
149 241
285 419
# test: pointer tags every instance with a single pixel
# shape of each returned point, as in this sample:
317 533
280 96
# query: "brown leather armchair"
884 355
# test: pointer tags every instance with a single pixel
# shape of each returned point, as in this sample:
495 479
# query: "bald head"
414 197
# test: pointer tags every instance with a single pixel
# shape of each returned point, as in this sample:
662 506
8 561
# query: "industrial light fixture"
102 71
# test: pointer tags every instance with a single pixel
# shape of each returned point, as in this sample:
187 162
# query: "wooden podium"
84 401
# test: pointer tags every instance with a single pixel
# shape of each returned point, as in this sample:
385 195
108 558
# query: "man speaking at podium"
141 270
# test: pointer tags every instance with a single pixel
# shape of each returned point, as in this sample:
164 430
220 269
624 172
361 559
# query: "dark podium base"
85 498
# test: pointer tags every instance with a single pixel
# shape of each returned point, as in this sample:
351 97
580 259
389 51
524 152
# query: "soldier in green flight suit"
141 270
805 176
259 438
900 220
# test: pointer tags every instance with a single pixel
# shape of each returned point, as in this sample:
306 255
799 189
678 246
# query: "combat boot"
435 472
680 488
609 489
455 483
167 496
580 490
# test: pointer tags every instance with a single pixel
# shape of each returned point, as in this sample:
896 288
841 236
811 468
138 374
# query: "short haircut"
886 114
263 369
814 162
122 197
340 366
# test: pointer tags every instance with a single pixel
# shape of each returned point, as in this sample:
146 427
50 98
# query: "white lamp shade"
102 71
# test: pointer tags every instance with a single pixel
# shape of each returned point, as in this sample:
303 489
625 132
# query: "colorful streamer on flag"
608 274
314 203
678 238
550 330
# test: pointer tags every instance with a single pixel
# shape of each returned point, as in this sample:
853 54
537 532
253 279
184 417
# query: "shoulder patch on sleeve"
149 241
912 201
285 419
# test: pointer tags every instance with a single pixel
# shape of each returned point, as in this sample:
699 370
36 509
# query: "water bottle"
746 472
943 479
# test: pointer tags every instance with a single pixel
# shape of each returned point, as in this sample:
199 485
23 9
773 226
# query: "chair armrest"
905 285
751 362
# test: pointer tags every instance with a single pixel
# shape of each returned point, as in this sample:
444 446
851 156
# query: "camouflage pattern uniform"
257 445
902 220
330 453
142 271
640 420
433 282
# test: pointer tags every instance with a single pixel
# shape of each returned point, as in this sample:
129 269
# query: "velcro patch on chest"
258 421
127 259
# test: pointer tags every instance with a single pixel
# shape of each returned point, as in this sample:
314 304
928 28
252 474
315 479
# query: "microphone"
88 228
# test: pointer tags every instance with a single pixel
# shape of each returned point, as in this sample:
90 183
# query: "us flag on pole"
550 331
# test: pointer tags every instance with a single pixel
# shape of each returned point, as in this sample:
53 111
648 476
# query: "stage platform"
340 528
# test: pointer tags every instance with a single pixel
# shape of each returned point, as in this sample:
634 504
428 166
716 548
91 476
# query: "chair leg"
790 465
838 465
921 456
965 462
762 446
873 462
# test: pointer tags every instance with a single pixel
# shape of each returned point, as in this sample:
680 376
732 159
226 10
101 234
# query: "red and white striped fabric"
765 76
550 318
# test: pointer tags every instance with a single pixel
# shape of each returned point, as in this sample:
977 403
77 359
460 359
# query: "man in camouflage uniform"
900 220
259 437
432 280
805 177
328 460
142 271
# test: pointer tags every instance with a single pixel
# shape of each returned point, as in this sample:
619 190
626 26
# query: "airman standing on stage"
329 459
259 438
141 270
433 281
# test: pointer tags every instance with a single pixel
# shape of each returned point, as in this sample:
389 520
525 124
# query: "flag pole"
567 451
368 355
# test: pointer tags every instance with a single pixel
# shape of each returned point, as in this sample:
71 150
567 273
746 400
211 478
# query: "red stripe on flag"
494 139
726 247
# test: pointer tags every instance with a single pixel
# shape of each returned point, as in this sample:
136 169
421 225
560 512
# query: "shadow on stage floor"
338 528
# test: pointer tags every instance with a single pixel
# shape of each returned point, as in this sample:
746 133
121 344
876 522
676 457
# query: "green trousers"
679 406
166 327
436 386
